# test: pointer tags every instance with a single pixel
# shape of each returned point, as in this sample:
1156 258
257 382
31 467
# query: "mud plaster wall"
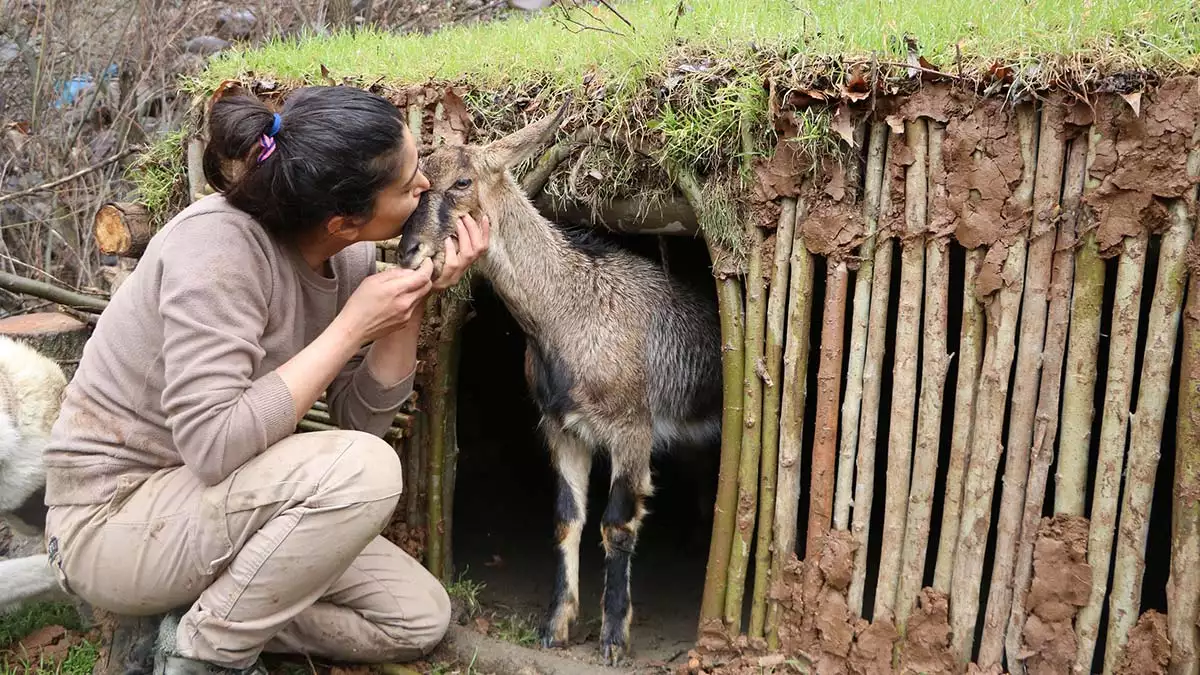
1141 144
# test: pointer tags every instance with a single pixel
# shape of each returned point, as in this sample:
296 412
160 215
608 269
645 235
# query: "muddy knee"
367 469
420 627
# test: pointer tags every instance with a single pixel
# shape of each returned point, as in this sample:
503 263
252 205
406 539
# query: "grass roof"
1075 39
692 73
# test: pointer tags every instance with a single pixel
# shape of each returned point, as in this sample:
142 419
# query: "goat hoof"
549 640
614 654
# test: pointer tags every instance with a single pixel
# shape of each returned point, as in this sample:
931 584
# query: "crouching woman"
175 483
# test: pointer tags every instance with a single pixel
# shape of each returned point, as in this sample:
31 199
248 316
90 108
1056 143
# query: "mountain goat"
619 357
31 389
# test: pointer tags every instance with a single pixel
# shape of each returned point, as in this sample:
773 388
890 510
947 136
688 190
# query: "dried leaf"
481 625
842 123
1135 101
325 76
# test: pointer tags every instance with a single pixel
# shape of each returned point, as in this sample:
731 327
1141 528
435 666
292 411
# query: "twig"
66 179
45 291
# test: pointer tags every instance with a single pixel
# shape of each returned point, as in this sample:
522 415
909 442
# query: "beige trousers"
282 556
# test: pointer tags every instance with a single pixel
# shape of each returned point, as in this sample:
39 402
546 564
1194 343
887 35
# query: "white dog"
31 390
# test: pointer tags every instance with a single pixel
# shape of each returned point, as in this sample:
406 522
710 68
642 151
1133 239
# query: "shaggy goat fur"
619 357
31 390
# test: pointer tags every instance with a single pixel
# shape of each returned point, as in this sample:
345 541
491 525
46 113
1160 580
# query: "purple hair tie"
267 140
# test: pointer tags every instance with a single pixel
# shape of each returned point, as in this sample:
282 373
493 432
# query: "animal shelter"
959 327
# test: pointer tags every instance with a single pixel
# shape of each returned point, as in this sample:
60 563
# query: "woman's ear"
341 227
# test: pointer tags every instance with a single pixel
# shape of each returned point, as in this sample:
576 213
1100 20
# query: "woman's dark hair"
335 148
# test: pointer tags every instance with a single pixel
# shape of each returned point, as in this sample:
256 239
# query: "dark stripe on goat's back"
549 380
588 241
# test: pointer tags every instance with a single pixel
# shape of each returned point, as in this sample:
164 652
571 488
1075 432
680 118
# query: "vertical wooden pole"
1051 156
829 380
852 405
992 393
1113 433
791 413
747 493
772 398
1183 586
904 390
1045 425
1146 431
733 318
936 364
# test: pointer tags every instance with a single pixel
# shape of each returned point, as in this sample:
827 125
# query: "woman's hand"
462 250
385 301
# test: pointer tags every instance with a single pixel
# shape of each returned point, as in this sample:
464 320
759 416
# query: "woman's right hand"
385 301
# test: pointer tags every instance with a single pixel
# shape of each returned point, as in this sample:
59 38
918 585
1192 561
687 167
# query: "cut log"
58 336
122 229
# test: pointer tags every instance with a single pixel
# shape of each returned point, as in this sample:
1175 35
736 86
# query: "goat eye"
462 183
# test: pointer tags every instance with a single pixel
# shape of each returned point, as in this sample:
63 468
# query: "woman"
175 482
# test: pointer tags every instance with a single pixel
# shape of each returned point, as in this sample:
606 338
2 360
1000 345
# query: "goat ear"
523 144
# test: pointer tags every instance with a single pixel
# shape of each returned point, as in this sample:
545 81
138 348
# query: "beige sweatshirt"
180 369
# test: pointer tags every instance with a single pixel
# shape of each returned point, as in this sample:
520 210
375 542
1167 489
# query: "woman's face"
397 201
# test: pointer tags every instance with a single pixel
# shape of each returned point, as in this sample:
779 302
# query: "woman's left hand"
471 242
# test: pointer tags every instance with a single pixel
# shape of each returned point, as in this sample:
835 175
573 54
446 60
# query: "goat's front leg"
573 463
631 487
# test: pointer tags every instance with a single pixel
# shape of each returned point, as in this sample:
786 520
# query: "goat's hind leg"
572 462
631 487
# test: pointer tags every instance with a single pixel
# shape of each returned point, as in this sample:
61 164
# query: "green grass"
1116 34
467 592
25 620
160 175
79 660
515 628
